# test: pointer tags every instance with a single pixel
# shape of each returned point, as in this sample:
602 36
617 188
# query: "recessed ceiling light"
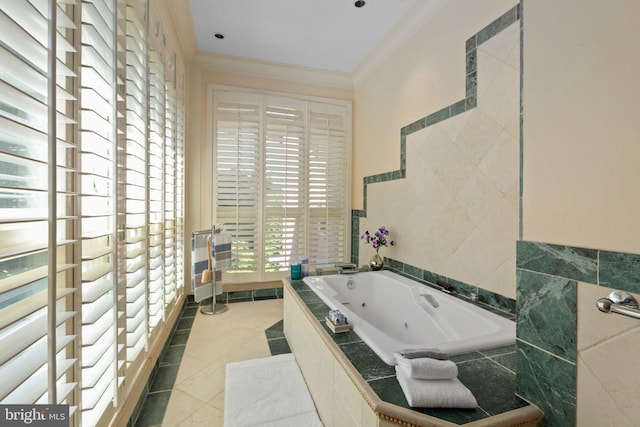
219 36
359 3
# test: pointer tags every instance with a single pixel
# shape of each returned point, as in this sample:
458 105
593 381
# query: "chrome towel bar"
619 302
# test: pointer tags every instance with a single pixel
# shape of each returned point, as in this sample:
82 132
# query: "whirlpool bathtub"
391 313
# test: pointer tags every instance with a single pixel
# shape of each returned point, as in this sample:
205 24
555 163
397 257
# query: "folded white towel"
425 368
413 353
435 393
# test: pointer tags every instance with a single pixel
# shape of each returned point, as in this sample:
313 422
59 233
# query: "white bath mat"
268 392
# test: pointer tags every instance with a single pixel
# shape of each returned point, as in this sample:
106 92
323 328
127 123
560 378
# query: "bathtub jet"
392 313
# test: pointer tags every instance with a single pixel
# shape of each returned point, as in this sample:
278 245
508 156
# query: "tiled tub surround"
567 351
351 386
459 173
489 300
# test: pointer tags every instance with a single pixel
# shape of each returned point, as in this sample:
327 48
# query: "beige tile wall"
456 213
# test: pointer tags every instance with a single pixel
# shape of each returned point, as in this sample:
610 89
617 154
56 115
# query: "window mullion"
262 217
119 132
305 196
53 202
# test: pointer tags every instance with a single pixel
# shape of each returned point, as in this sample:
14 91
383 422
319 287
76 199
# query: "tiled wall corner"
548 277
546 326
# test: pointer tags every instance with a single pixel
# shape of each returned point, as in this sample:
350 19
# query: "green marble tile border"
496 303
619 270
275 331
276 340
470 101
563 261
248 295
151 405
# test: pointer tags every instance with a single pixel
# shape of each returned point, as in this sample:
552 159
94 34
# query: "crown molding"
177 14
416 17
273 70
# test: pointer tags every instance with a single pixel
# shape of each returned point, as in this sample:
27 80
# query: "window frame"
208 175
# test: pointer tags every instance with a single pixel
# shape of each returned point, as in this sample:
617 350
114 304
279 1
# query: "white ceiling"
324 34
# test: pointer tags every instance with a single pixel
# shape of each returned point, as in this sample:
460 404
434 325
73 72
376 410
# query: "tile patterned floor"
188 388
188 384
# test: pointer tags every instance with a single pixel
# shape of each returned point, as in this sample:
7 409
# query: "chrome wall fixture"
619 302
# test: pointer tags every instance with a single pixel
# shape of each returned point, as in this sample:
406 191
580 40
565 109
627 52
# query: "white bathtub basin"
390 313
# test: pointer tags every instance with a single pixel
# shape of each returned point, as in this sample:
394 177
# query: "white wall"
581 127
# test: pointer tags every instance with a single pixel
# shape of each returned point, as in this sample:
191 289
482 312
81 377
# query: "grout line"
547 352
485 411
604 340
550 275
501 365
598 268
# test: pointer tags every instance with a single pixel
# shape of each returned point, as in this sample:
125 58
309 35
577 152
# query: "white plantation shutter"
179 189
281 181
327 191
155 160
170 195
237 168
285 181
136 181
37 204
85 187
98 154
121 202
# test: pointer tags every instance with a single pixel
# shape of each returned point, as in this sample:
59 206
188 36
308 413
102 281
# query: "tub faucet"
445 287
347 268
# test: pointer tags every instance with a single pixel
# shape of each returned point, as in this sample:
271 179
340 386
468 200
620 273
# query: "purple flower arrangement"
378 239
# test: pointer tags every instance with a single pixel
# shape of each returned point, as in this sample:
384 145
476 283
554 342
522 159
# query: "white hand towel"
413 353
425 368
435 393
